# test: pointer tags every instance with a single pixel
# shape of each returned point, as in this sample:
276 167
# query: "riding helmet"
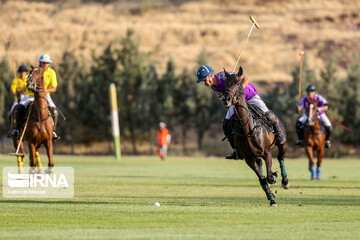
23 68
311 88
204 72
45 58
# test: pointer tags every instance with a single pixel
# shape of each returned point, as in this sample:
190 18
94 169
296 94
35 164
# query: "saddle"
258 116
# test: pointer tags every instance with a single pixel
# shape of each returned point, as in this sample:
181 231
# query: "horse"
314 139
40 126
253 139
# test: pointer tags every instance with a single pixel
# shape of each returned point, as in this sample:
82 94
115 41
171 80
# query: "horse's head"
35 81
233 87
312 115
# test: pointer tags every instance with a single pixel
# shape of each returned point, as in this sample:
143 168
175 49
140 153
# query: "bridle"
37 89
235 95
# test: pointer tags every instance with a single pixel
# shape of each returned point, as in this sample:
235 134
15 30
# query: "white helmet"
45 58
162 124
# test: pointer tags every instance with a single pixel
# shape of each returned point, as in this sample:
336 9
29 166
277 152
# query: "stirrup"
15 133
327 144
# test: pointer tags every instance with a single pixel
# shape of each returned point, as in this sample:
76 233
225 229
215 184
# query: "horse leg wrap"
282 167
269 194
20 165
318 173
313 172
261 169
38 161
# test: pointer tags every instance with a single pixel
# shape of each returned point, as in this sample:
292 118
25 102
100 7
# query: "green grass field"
201 198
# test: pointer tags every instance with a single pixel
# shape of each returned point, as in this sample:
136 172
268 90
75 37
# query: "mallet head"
253 20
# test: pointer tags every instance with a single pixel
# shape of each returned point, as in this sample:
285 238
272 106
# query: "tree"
331 88
132 81
351 111
183 106
208 109
284 99
72 82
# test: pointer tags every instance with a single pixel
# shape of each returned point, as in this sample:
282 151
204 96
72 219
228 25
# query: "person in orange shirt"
163 140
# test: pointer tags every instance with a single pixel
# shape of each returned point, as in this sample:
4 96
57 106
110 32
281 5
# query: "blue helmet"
311 88
22 68
204 72
45 58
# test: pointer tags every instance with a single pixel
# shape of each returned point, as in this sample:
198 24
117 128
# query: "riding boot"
55 116
328 130
300 133
227 131
275 123
19 116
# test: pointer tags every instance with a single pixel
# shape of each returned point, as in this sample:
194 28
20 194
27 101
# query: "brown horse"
40 126
314 139
253 139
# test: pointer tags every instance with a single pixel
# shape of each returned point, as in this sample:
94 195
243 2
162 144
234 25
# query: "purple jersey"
249 91
321 101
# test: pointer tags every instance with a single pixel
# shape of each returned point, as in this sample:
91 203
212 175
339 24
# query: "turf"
201 198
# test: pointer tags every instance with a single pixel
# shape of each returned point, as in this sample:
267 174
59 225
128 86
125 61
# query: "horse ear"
240 73
226 73
32 67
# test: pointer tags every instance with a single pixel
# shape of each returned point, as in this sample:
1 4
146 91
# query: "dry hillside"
324 28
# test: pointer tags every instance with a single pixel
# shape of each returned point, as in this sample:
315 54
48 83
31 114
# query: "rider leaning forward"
50 82
322 106
217 84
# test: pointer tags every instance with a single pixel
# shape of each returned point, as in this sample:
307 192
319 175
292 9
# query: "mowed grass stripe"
201 198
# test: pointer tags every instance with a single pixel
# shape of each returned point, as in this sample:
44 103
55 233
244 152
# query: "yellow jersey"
50 81
18 85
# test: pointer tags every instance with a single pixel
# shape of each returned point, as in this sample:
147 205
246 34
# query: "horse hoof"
273 203
285 186
273 179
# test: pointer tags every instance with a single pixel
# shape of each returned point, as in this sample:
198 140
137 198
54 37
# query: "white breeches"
29 99
16 102
323 118
255 101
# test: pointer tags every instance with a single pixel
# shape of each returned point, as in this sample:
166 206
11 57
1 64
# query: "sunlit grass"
201 198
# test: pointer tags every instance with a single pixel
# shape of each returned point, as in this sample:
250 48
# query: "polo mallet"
257 26
22 135
300 72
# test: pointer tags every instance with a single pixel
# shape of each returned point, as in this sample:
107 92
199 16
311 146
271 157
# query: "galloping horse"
253 139
314 139
40 126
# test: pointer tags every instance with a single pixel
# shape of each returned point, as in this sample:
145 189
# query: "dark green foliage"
72 82
6 99
146 98
208 109
351 106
